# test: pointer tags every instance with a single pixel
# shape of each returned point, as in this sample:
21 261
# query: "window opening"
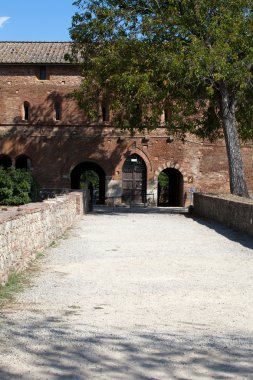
43 73
57 109
26 110
5 161
105 113
23 162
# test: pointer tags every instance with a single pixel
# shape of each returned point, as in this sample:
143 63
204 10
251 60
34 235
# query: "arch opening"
89 175
134 180
23 162
5 161
170 188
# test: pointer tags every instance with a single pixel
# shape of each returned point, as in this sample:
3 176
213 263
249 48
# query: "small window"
57 110
5 161
105 113
26 110
43 73
23 162
167 116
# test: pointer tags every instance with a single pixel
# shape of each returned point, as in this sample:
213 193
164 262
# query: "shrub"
17 187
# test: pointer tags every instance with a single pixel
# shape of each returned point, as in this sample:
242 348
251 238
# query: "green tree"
89 177
191 58
17 187
163 180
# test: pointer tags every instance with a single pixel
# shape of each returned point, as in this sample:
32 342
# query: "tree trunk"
238 184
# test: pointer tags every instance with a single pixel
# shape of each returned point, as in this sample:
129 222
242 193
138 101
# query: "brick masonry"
27 230
55 147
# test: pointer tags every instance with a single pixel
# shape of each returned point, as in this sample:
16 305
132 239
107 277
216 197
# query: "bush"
17 187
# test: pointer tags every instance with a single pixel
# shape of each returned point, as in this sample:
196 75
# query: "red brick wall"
56 147
21 83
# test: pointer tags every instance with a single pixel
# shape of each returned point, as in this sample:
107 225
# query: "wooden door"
134 180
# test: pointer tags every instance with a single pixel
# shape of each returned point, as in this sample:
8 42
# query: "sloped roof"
34 52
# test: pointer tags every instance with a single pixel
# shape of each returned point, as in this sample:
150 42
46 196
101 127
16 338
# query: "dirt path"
135 296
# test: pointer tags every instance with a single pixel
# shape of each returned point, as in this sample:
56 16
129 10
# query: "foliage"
192 58
145 55
163 180
87 177
14 284
17 281
16 187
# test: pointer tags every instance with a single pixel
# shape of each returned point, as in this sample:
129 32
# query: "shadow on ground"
49 349
231 234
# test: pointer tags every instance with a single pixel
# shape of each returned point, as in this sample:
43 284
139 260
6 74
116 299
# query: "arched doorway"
170 188
23 162
5 161
94 177
134 180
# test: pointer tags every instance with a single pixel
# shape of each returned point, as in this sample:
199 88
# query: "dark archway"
134 180
85 167
23 162
170 191
5 161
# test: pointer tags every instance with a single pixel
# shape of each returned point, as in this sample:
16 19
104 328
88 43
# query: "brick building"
42 129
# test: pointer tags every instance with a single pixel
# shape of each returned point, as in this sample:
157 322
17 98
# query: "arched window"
166 116
57 111
105 113
26 111
5 161
23 162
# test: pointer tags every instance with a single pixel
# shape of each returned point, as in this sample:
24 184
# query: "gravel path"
135 296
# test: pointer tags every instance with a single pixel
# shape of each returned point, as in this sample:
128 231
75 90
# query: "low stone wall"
233 211
29 229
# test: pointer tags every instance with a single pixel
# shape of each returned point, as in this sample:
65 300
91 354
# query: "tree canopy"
191 59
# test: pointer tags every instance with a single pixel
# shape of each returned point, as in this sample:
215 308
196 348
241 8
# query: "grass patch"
15 284
17 281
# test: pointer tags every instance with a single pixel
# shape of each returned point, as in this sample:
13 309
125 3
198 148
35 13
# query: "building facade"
43 130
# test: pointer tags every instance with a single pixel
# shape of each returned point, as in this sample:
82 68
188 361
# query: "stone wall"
29 229
233 211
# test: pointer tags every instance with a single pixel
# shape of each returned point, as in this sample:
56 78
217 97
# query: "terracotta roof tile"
34 52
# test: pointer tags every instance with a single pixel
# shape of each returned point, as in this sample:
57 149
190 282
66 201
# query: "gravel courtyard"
135 296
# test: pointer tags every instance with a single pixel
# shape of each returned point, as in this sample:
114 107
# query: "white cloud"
3 20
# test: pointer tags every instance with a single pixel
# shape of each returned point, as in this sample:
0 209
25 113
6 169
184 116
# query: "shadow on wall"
85 354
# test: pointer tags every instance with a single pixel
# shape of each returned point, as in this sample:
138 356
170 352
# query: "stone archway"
171 192
177 177
85 167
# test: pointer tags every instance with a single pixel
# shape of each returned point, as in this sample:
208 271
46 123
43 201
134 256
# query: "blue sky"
35 20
